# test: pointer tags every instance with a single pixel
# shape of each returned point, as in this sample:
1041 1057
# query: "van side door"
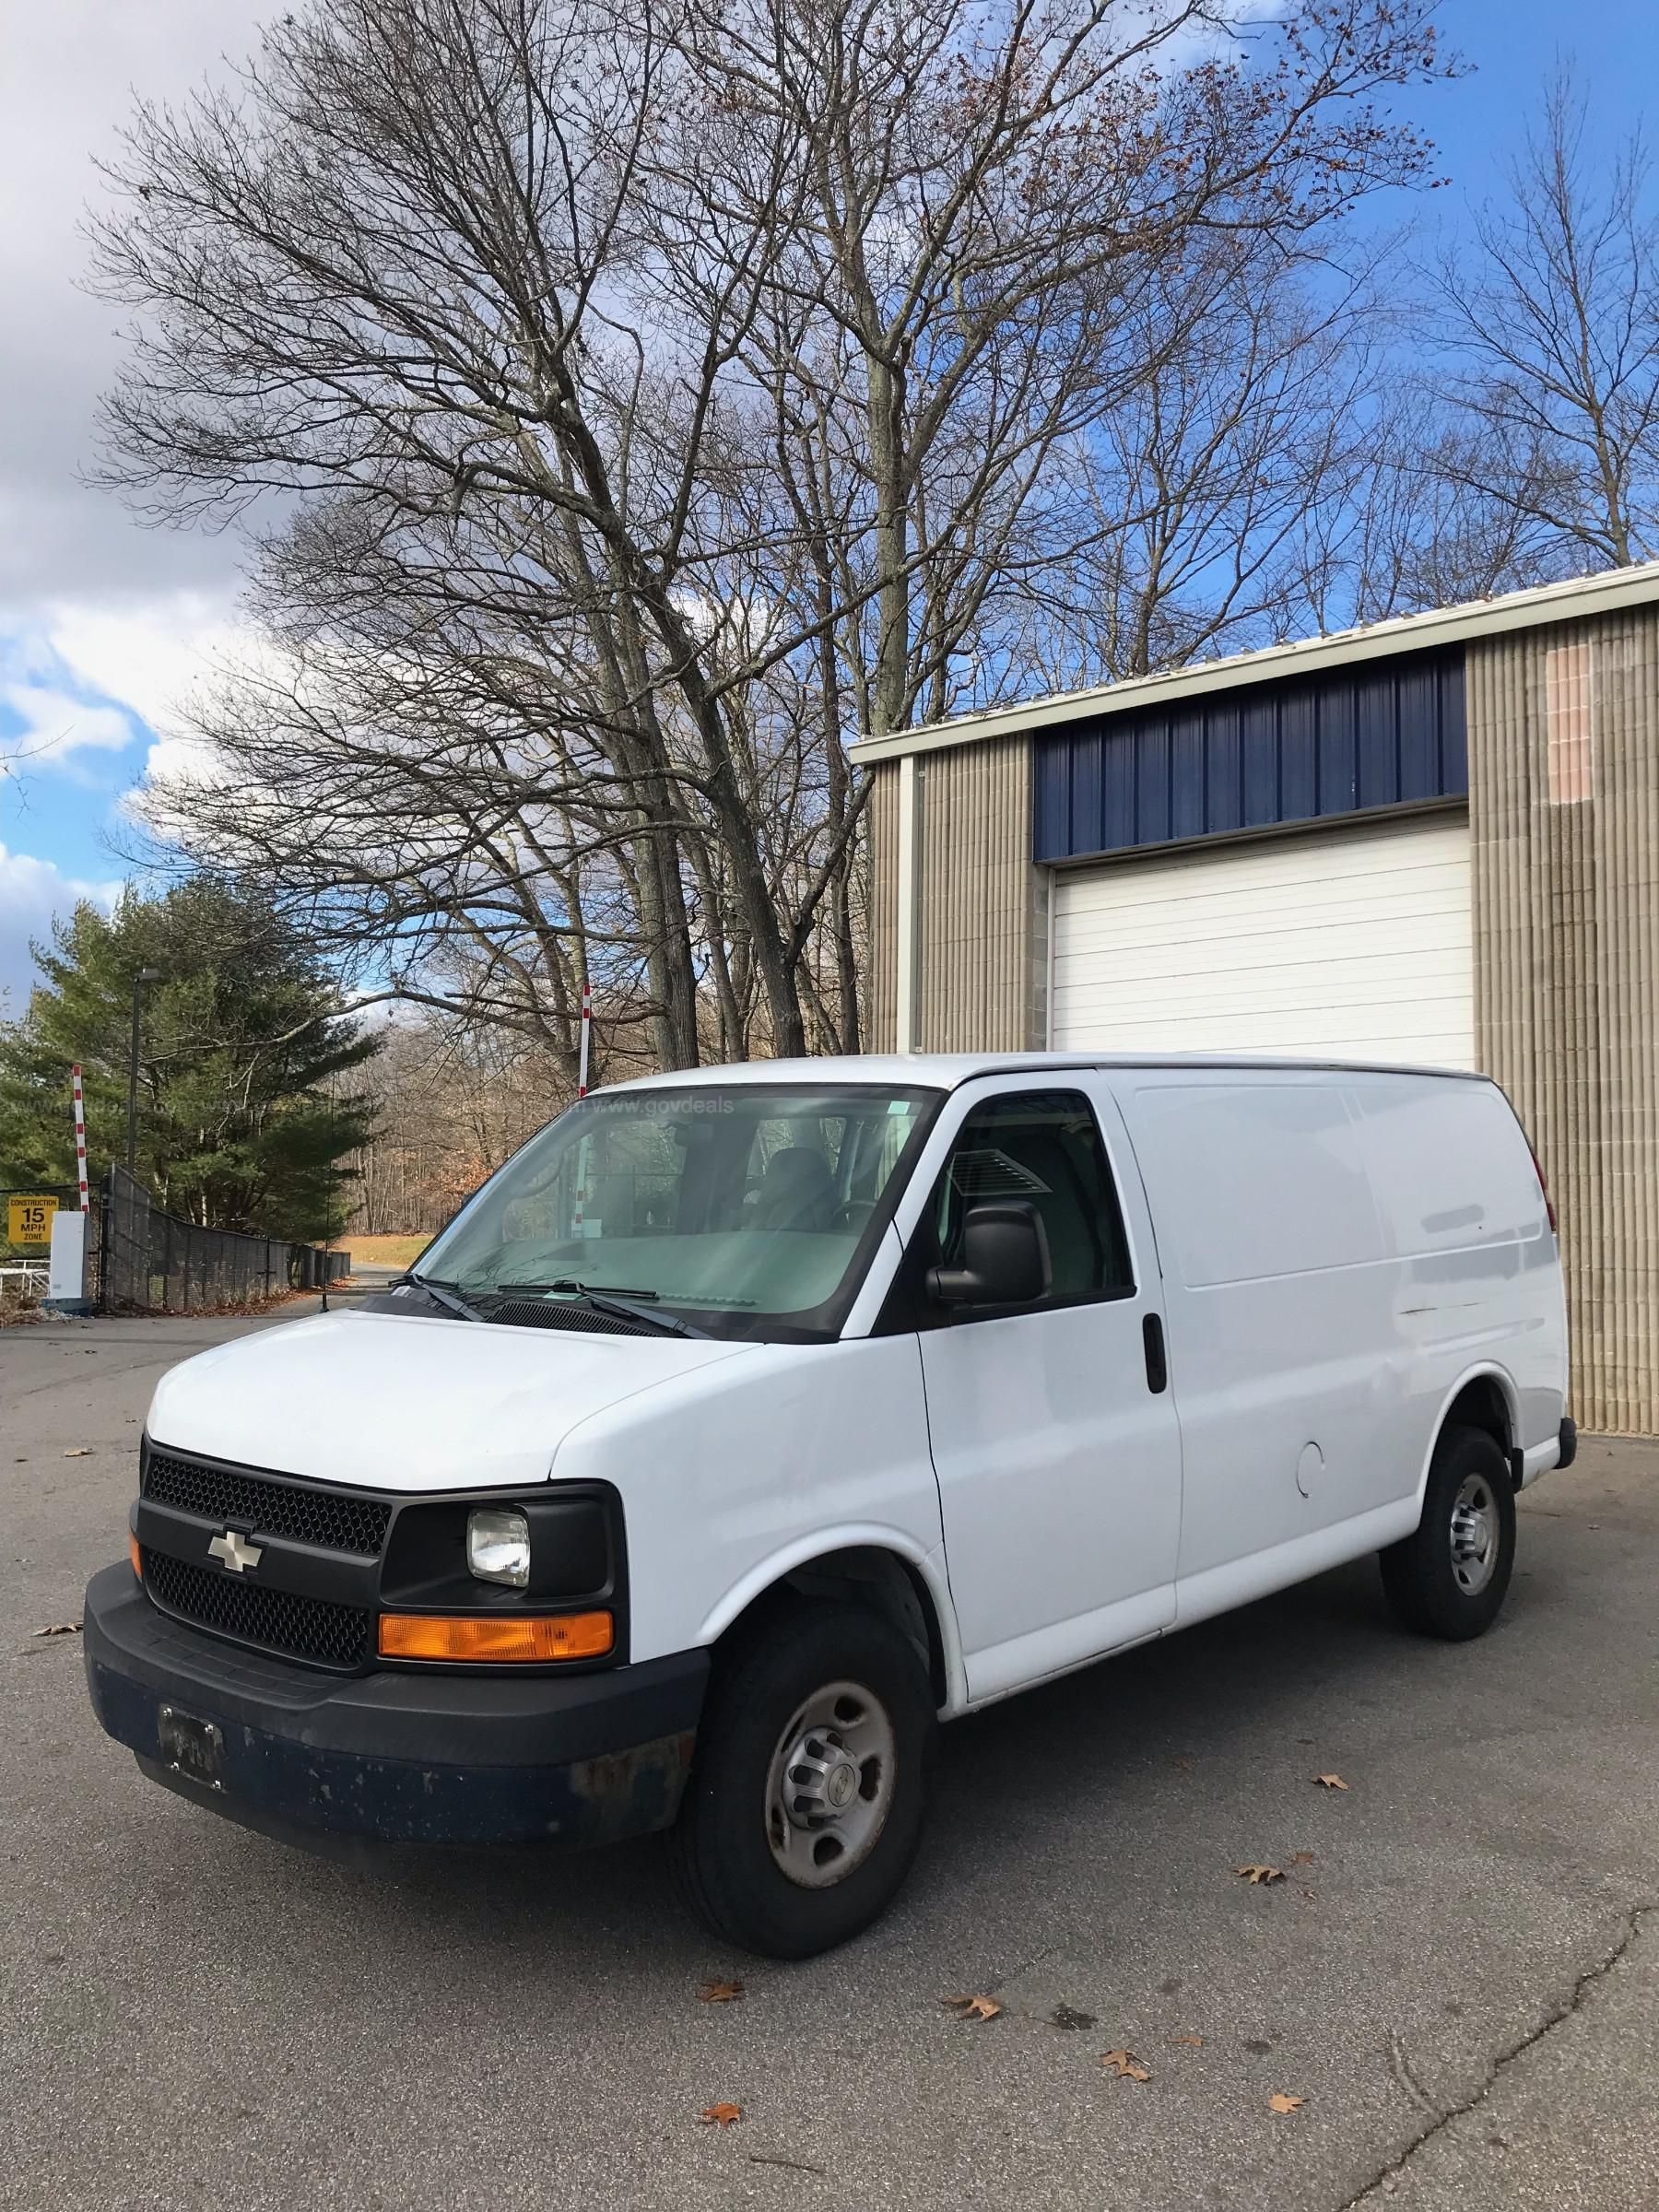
1284 1357
1053 1432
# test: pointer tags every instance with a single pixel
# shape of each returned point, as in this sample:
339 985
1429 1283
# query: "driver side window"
1043 1146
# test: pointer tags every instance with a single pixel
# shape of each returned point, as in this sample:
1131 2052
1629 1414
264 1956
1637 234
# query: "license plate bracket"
191 1747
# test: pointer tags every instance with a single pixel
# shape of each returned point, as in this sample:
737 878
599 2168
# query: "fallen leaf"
1330 1782
973 2008
1185 1764
720 1993
1279 2102
1302 1858
61 1627
719 2115
1196 2040
1067 2016
79 1451
1125 2066
1259 1875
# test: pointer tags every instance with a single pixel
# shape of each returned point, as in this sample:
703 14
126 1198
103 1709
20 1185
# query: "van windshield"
747 1209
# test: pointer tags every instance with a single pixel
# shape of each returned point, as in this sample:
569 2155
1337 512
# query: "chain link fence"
150 1261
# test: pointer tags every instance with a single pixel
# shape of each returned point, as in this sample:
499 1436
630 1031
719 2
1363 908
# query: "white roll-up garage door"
1355 943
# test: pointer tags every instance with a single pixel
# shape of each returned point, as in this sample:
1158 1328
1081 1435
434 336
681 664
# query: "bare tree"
636 401
1550 321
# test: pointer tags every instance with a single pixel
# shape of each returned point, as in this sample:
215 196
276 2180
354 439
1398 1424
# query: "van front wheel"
1448 1577
805 1801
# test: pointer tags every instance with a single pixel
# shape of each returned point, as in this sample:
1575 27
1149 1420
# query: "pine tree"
243 1119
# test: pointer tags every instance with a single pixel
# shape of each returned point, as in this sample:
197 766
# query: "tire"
848 1691
1448 1578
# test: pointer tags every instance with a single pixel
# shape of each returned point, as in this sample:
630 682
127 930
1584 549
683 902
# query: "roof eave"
1607 593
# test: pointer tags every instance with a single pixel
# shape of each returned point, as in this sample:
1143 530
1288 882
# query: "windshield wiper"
604 1301
442 1294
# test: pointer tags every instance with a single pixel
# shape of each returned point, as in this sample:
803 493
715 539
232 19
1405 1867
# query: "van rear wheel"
1448 1577
806 1802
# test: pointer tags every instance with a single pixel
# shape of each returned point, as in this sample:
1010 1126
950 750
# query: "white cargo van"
751 1420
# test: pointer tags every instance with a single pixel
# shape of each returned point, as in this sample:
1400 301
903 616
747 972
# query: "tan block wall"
1566 900
983 908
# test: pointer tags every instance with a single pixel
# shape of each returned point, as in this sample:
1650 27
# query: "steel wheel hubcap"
830 1784
1474 1535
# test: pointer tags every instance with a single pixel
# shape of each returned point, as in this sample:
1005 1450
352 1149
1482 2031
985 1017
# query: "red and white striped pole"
577 1225
80 1135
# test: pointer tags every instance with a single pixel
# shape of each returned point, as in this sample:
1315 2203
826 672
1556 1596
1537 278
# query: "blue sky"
103 625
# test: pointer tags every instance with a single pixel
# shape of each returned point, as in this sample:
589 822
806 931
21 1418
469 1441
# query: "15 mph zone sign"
29 1219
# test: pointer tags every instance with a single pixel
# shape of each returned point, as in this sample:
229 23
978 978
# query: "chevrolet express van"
749 1422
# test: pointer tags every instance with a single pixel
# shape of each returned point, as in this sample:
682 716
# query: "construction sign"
28 1218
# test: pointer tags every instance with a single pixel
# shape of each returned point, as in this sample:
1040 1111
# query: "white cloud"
66 87
34 893
78 677
176 761
149 653
52 723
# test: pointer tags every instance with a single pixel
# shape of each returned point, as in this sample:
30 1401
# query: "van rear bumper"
395 1757
1560 1451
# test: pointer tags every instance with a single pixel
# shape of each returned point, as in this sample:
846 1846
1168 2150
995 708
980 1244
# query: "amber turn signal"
134 1554
496 1637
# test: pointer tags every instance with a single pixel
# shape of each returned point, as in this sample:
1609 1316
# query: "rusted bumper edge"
397 1758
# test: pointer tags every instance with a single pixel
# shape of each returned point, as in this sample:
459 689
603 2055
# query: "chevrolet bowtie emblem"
236 1551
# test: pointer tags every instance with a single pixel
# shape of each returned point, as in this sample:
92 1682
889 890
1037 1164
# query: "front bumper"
405 1757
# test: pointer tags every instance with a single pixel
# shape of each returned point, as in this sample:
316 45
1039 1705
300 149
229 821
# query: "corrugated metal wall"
1566 893
982 954
1385 734
983 907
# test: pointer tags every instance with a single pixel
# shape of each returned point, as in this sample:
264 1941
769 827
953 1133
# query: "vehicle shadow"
1182 1745
1052 1774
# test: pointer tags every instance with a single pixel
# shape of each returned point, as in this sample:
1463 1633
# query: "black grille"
545 1313
313 1629
329 1519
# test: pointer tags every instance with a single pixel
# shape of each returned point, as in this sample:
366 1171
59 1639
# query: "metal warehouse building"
1434 839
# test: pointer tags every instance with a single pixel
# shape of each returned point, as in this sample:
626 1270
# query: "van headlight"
498 1546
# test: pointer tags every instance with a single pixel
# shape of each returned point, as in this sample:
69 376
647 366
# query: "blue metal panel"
1419 734
1152 782
1453 726
1088 819
1299 753
1338 772
1187 815
1051 799
1117 794
1389 733
1259 744
1377 725
1223 797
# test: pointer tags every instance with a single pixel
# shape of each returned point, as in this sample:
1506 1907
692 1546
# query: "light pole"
145 975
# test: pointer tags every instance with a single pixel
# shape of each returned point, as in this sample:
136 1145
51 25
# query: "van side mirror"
1005 1257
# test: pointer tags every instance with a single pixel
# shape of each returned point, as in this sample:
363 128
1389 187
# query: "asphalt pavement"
1458 1976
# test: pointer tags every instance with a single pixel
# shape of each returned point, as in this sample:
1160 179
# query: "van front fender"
822 1544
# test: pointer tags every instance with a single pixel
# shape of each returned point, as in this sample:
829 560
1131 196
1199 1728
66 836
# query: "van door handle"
1157 1365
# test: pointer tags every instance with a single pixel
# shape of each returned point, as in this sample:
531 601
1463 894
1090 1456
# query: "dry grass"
384 1252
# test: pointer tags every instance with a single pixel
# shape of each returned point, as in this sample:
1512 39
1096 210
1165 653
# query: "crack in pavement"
1585 1981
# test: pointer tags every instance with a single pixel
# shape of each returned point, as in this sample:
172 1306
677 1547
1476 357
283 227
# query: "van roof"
944 1071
